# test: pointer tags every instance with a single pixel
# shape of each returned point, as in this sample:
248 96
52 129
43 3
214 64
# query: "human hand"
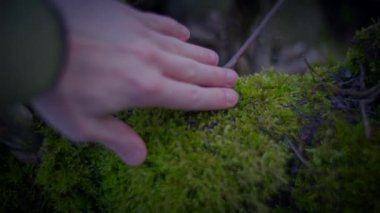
120 58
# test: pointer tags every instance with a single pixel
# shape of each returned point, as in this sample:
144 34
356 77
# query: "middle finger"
178 47
190 71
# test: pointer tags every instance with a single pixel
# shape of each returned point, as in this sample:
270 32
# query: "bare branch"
366 123
341 84
359 94
362 73
373 97
312 70
363 105
300 157
232 62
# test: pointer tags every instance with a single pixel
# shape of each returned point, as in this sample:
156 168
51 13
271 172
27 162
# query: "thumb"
120 138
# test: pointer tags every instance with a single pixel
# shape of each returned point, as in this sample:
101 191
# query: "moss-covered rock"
233 160
293 143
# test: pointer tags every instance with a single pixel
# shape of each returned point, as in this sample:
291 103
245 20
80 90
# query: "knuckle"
151 15
82 135
149 86
152 87
209 55
79 133
194 97
221 76
145 51
168 21
190 74
162 21
175 48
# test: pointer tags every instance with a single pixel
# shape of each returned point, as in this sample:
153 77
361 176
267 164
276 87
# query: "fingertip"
183 33
231 77
176 29
207 56
120 138
231 97
135 156
166 25
214 57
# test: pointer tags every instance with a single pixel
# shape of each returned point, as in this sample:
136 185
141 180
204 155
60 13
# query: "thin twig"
347 82
366 123
355 93
373 97
362 82
363 105
232 62
302 159
359 94
312 70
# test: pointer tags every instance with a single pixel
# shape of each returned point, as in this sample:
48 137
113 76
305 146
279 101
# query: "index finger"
173 94
165 25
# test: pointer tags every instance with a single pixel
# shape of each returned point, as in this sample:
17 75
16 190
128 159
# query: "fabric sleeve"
32 49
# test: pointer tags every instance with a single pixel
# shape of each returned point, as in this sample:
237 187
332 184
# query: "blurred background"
319 30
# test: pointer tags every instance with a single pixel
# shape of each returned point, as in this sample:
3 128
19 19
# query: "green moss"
17 188
345 174
69 174
231 160
366 51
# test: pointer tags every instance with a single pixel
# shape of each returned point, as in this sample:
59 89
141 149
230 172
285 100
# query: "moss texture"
18 190
216 161
246 159
365 52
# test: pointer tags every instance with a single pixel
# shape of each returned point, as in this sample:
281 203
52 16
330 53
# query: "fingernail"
231 78
185 33
135 157
214 57
231 97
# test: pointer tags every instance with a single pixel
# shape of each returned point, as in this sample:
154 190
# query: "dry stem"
363 105
232 62
300 157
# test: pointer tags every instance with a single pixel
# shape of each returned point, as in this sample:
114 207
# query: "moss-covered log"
293 143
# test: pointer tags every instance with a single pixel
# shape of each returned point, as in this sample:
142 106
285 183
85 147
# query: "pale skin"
121 58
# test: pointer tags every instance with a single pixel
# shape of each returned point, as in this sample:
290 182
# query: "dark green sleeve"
32 49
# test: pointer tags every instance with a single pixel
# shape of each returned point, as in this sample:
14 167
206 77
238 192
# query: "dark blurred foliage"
320 30
343 16
150 5
346 16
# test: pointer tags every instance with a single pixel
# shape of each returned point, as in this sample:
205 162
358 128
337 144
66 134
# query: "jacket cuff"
32 49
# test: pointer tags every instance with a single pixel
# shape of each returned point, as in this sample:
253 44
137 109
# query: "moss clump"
69 174
17 188
345 165
231 160
365 52
345 174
